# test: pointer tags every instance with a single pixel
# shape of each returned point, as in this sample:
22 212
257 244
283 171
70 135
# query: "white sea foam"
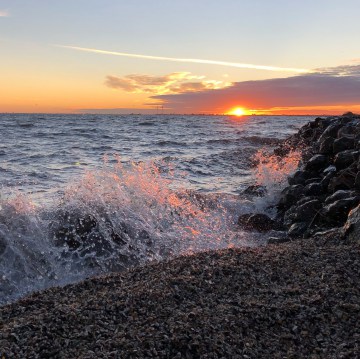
106 221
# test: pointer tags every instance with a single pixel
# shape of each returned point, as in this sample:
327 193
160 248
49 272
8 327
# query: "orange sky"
81 56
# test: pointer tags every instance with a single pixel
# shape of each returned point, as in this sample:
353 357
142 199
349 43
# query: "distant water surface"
40 154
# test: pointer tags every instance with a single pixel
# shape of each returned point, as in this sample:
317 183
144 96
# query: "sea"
86 195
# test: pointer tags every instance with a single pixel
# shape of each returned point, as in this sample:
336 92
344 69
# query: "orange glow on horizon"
237 111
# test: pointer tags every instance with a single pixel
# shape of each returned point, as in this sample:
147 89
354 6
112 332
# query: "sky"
180 56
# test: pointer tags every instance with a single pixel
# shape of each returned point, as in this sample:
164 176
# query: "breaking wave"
108 220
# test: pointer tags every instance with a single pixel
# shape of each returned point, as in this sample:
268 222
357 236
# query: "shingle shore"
299 299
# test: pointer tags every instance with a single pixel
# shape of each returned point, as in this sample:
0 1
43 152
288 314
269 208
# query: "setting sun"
237 111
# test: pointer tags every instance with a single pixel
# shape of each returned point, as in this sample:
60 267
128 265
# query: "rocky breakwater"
326 186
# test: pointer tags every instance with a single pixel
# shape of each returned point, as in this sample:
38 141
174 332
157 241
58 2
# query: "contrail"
196 61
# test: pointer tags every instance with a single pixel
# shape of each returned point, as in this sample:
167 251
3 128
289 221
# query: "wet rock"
307 211
337 212
259 222
344 179
297 229
313 189
347 131
345 158
312 180
341 194
352 226
326 145
299 177
255 190
329 169
343 144
330 173
291 195
357 181
330 131
323 122
317 163
305 200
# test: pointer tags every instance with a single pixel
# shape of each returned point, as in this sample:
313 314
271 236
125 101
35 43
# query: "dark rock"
330 173
255 190
297 229
307 211
317 163
343 144
340 194
329 169
357 181
312 180
347 131
326 145
314 189
337 212
291 195
259 222
305 200
323 122
352 226
345 158
344 179
299 177
330 131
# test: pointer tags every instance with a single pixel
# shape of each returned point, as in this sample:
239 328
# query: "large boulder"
297 230
326 145
317 163
343 144
258 222
345 158
299 177
344 179
340 194
314 189
291 195
352 226
307 211
337 212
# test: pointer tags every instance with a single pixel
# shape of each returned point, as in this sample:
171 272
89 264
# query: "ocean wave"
163 143
264 141
109 220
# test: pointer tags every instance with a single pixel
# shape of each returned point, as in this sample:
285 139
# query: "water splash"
272 172
108 220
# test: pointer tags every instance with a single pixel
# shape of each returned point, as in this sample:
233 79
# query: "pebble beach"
299 299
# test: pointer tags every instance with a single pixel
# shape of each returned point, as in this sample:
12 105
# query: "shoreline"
299 298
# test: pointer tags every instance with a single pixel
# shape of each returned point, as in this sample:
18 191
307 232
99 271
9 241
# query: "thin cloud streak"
4 13
196 61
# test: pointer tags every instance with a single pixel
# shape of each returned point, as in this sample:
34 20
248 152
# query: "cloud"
328 87
176 82
196 61
344 70
4 13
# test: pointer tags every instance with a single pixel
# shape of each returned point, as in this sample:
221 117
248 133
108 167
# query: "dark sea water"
88 194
